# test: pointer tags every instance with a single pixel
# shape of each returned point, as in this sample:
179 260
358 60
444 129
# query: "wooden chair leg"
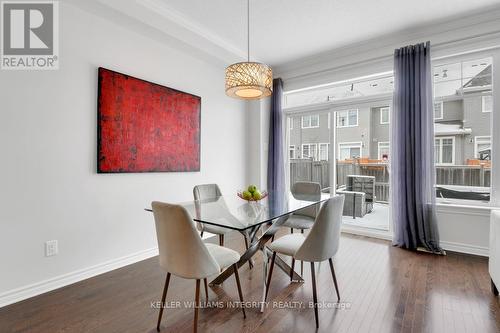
221 240
196 306
315 296
270 275
291 230
237 276
291 271
163 297
334 278
301 268
272 239
206 289
201 234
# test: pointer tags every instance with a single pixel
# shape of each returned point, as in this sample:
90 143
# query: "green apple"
246 195
257 195
252 188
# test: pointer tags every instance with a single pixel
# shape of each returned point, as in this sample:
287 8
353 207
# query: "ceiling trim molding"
483 26
182 20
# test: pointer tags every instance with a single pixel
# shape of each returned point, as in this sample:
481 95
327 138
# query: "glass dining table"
248 217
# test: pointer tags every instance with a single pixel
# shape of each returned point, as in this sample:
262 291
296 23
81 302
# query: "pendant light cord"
248 30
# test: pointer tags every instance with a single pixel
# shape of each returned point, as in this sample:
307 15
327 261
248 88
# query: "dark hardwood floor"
385 289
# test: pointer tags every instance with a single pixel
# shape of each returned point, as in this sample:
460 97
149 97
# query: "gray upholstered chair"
212 191
184 254
304 218
321 243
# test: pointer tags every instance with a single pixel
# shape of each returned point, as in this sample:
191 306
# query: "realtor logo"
30 35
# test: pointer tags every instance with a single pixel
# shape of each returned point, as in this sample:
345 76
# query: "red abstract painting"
146 127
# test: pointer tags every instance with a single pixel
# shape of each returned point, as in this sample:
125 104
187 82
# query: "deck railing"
317 171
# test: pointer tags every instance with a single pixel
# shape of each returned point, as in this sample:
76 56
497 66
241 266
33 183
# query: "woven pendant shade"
249 80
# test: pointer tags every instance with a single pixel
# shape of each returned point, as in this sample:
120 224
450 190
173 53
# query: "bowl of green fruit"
252 193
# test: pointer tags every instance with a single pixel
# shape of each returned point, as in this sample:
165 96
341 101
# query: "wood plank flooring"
384 289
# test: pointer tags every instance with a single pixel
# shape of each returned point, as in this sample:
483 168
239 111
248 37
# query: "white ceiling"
285 30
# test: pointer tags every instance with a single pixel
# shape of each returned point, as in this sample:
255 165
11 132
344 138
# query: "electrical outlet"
51 248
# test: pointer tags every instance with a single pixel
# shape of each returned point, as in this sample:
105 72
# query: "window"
323 151
309 150
444 150
348 118
486 103
384 115
482 147
290 123
438 110
383 151
292 152
311 121
349 150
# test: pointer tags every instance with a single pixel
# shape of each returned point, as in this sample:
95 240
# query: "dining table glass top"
232 212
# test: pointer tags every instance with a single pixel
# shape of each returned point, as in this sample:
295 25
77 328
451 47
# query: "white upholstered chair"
184 254
321 243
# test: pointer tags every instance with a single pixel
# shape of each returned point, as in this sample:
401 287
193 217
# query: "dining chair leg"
163 297
291 230
334 278
201 234
301 268
291 271
315 296
237 276
196 306
272 239
270 275
221 240
206 289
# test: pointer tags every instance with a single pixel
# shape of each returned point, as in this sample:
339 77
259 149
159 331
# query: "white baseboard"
25 292
465 248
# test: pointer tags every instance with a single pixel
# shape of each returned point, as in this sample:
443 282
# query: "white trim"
310 116
434 110
476 143
440 155
388 110
482 103
31 290
388 146
350 145
465 248
348 122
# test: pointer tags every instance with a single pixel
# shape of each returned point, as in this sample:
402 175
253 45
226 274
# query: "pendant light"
249 80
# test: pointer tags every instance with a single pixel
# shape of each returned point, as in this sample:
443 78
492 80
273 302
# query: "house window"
383 151
482 147
292 152
438 110
323 151
487 103
347 118
311 121
309 150
444 150
349 150
384 115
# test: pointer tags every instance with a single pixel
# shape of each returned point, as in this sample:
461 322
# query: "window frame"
476 143
327 144
440 155
309 147
441 103
291 148
358 144
388 109
348 122
310 121
379 146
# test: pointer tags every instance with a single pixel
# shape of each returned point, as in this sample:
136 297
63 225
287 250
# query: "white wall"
49 186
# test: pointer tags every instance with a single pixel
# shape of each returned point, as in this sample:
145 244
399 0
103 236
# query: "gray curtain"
276 161
412 153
